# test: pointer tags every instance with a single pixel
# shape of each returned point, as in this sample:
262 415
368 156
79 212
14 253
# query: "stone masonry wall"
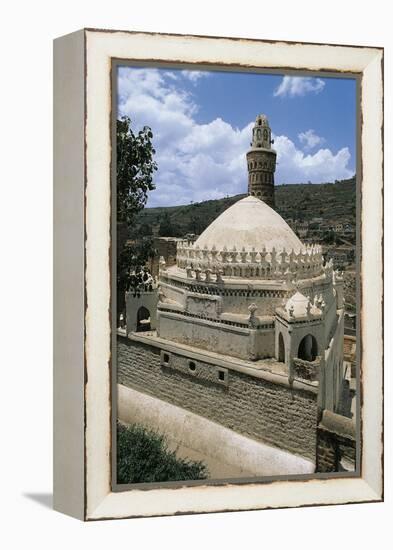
332 448
336 443
263 410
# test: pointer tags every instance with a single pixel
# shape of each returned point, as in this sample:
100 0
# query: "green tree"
145 230
166 227
329 237
143 456
195 225
134 169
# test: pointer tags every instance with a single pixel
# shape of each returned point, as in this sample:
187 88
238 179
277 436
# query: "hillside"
329 201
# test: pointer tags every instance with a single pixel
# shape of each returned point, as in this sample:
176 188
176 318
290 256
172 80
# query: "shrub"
143 456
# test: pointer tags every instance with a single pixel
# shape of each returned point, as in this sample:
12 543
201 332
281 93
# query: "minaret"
261 162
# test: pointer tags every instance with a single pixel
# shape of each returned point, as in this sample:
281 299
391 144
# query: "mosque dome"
297 305
301 306
249 224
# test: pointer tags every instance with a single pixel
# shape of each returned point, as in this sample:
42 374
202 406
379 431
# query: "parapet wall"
270 412
218 335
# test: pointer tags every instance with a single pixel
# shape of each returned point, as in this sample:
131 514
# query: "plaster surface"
249 223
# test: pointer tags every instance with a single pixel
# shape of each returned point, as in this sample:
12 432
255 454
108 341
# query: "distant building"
339 257
166 248
349 231
190 237
350 323
302 232
350 353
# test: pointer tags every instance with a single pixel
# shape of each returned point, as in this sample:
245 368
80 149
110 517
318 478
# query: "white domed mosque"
249 322
249 288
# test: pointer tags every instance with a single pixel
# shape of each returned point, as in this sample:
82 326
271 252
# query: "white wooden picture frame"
82 256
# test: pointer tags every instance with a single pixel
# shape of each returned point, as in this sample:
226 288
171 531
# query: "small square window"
221 375
166 358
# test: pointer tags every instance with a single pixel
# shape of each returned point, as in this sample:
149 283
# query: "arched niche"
281 348
308 348
143 319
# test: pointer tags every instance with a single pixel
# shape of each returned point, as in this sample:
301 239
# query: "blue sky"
202 121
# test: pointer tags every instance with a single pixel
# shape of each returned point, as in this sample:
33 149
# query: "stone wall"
266 411
336 444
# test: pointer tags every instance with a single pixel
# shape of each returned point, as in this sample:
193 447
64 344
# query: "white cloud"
194 76
310 139
294 166
292 86
172 75
205 161
195 161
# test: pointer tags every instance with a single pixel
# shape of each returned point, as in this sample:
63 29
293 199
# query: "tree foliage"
143 456
131 272
168 228
329 238
145 230
135 168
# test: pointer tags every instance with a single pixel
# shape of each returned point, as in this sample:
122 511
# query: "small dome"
249 223
297 305
301 306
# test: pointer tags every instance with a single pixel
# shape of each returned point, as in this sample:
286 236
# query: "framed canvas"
218 274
